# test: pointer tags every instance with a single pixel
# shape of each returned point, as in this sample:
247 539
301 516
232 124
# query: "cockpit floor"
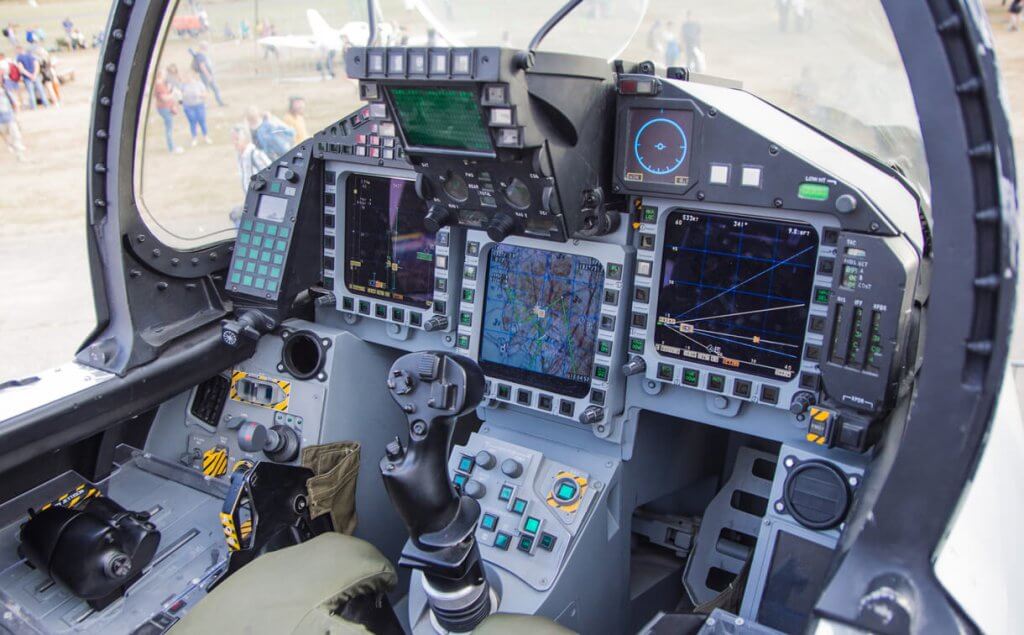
191 553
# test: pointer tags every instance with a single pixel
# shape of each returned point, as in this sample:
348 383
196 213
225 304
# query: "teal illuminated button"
284 232
282 245
566 490
239 264
813 191
257 241
261 283
532 525
525 544
505 494
265 256
278 259
502 541
240 252
547 542
275 187
260 228
247 224
272 285
466 464
247 281
250 267
460 480
262 270
243 238
236 278
489 522
519 506
274 271
272 230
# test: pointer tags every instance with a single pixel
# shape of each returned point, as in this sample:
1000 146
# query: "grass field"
43 266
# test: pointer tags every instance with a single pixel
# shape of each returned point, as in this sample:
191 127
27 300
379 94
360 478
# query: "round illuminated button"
566 490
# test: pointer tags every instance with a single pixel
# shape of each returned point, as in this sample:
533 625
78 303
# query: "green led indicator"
691 376
813 192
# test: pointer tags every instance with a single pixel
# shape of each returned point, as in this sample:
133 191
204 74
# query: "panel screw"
777 202
700 196
161 286
773 149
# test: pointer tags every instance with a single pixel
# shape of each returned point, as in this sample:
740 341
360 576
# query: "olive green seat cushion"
294 590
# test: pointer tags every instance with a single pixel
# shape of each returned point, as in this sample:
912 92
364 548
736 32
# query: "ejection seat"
333 584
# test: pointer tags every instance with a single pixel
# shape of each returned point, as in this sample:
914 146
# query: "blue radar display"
735 292
660 146
541 313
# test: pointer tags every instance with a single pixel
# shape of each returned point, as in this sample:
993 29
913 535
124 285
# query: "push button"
466 464
547 542
489 522
460 480
525 544
566 490
502 541
519 507
506 492
532 525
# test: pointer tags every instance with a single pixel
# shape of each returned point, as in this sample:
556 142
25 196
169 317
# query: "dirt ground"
43 265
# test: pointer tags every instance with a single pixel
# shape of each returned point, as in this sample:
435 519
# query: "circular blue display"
660 146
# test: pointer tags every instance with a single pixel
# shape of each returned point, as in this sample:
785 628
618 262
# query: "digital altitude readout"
388 255
659 147
735 291
540 319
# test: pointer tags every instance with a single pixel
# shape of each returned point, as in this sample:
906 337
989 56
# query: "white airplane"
326 38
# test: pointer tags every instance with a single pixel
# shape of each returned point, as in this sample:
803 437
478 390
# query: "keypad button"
282 245
257 241
272 230
250 267
265 256
260 228
262 270
278 259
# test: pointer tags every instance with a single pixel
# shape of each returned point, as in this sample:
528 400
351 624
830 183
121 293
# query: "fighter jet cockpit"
542 336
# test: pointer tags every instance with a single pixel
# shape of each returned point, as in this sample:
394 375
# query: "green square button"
505 493
257 241
243 238
247 224
463 342
275 187
282 245
519 506
278 259
636 345
265 256
239 264
468 295
604 347
262 270
275 271
531 525
236 278
240 252
466 319
489 522
566 491
525 543
547 542
272 285
260 228
247 281
691 376
271 230
284 232
601 372
502 541
250 267
261 283
650 214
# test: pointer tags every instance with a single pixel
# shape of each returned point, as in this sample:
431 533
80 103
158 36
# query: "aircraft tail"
321 30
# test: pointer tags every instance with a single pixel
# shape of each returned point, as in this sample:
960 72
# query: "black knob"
634 366
500 227
436 323
289 175
511 468
438 216
253 436
485 459
801 402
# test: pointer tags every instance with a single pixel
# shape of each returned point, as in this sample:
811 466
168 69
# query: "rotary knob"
474 488
500 227
437 217
485 459
511 468
801 402
634 366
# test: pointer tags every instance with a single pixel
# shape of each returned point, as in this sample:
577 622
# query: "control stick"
279 443
434 389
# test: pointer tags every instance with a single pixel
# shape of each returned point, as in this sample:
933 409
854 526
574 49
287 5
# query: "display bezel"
559 385
410 148
695 144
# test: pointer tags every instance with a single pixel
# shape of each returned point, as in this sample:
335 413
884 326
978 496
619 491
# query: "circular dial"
455 186
660 146
518 194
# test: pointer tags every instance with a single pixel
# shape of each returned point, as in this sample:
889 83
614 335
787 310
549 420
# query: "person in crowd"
28 66
35 35
69 27
691 41
77 40
48 75
9 128
11 33
250 158
671 45
166 98
202 65
10 81
174 78
1016 8
193 100
295 118
269 133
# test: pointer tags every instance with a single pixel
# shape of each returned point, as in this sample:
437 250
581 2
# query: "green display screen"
441 118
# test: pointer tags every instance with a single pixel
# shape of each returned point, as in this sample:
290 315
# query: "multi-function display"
659 150
734 292
388 255
541 313
441 118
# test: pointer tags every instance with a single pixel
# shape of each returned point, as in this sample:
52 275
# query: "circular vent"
302 355
816 495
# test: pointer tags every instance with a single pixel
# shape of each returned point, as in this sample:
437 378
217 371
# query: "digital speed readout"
660 146
735 292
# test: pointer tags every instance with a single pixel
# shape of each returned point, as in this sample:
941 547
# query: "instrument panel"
759 271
